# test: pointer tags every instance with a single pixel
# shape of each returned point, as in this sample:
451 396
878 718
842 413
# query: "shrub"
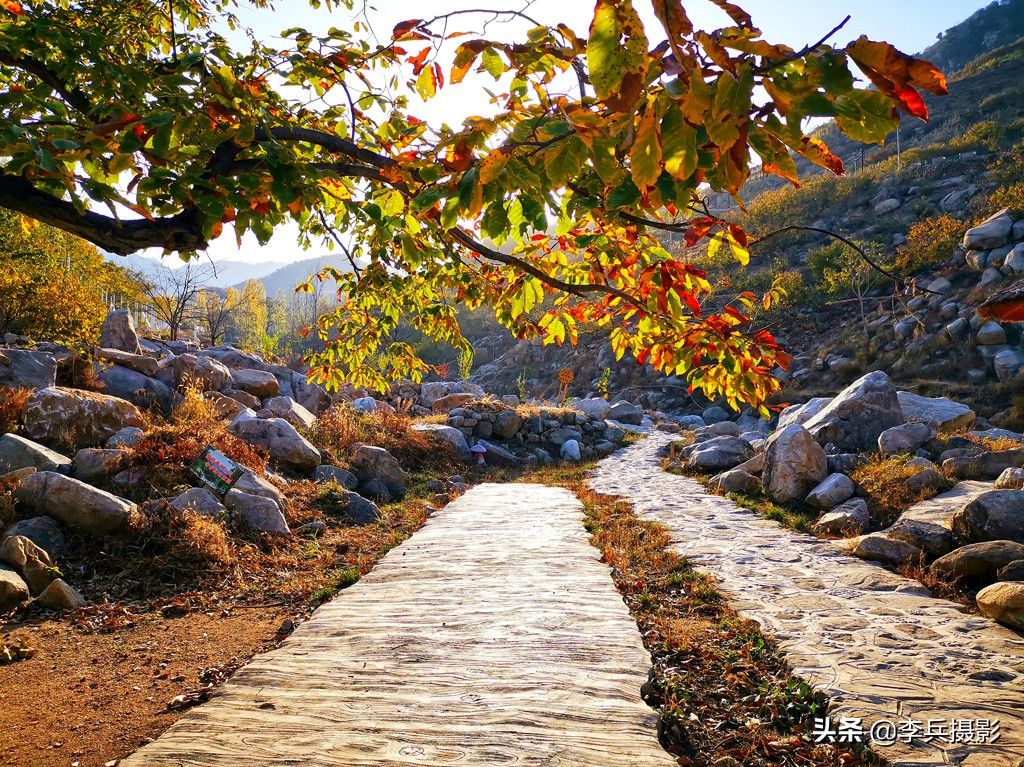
930 243
884 478
12 407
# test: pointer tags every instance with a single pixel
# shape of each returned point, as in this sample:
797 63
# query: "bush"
12 407
930 243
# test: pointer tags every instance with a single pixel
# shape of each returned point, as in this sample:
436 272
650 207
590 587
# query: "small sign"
216 470
565 376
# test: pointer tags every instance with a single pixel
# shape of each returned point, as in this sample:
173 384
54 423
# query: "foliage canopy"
544 209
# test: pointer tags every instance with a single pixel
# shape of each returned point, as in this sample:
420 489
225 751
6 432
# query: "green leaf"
617 46
492 63
678 145
867 116
645 154
625 195
564 160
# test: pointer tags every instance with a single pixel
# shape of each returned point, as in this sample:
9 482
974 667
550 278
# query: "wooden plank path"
494 636
874 641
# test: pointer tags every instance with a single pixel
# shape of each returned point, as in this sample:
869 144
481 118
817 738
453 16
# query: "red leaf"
403 28
13 6
418 60
697 231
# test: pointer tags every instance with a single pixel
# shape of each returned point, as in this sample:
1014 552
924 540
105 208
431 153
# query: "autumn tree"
139 125
248 326
214 312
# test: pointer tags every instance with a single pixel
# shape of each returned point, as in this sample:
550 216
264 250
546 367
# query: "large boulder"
801 414
291 411
626 412
139 389
938 412
140 363
186 370
859 414
831 491
736 481
21 368
259 383
286 446
978 560
33 563
794 464
252 483
988 465
1003 602
44 532
507 424
933 539
1010 479
96 463
16 452
846 519
596 408
118 332
327 474
720 454
993 232
81 418
369 463
74 503
997 515
890 551
13 589
312 396
258 512
451 401
448 434
905 438
496 455
60 596
198 500
435 390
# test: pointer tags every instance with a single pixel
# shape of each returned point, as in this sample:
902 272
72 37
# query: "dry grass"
337 431
884 479
12 408
988 443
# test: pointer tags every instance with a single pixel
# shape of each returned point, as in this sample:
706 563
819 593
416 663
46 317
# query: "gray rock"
1003 602
77 417
570 450
848 518
1012 572
845 463
558 437
927 481
978 560
937 412
720 454
1014 263
139 389
447 434
327 474
359 509
794 464
200 501
720 429
13 589
21 368
715 414
93 464
1010 479
126 437
986 465
118 332
291 411
886 207
258 512
253 484
991 334
994 232
140 363
74 503
997 515
859 414
1008 363
312 396
595 408
990 276
933 539
60 596
879 548
184 370
258 383
286 446
44 532
831 492
499 456
370 462
736 481
365 405
625 412
16 452
243 398
905 438
507 424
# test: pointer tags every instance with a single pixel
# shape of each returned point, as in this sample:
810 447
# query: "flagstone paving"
872 640
494 636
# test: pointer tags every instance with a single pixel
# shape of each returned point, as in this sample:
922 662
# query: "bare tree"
213 311
172 292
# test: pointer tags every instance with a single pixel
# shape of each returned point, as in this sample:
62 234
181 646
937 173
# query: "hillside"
227 273
286 277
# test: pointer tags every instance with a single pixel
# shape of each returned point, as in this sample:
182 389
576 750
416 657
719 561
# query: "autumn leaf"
645 154
898 75
678 145
564 160
13 6
677 25
737 14
617 53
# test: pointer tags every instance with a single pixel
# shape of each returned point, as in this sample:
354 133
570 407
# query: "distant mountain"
227 273
997 24
288 276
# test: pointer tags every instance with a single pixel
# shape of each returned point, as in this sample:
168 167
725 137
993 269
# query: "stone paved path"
494 636
869 638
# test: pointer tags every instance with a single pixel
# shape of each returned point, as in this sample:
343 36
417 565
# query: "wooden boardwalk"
494 636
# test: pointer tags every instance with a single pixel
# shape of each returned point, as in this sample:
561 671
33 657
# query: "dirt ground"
87 698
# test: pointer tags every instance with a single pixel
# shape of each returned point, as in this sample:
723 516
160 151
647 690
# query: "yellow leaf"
645 155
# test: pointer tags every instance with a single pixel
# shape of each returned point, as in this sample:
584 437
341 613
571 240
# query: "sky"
910 25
